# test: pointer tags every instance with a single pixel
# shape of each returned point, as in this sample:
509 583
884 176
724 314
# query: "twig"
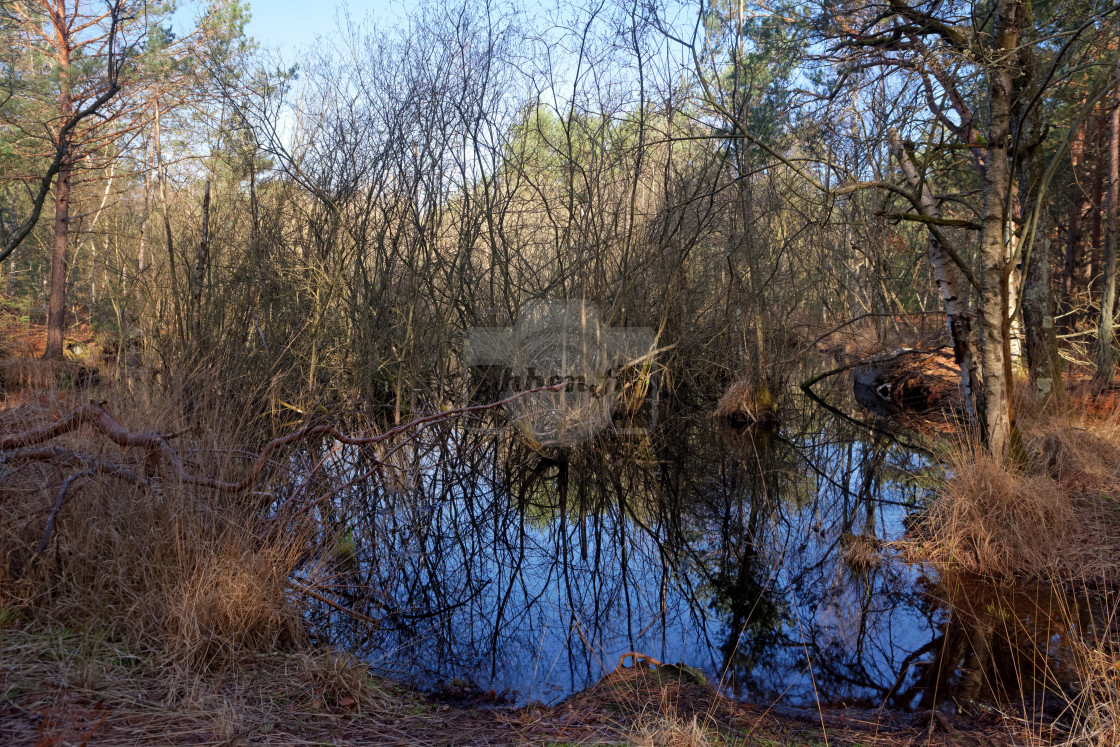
330 603
58 503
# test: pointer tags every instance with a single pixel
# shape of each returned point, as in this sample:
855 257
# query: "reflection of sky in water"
518 573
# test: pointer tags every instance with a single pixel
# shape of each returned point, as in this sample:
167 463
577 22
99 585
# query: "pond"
752 555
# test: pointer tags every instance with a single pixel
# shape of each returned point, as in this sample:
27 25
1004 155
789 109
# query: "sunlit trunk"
997 418
56 306
950 284
1105 357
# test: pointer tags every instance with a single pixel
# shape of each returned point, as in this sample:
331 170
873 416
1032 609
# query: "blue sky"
288 25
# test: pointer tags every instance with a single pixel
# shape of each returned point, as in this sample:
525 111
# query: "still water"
533 571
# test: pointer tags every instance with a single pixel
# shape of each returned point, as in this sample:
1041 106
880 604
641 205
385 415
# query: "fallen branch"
331 603
96 415
58 503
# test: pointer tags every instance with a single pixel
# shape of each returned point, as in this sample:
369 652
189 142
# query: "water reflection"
534 571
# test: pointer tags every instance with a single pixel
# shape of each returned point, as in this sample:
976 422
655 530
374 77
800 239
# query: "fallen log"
908 382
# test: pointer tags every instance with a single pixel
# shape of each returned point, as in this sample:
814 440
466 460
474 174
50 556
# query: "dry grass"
1096 709
746 402
1056 519
166 605
669 730
195 577
170 571
234 600
994 521
861 552
1027 560
291 698
23 374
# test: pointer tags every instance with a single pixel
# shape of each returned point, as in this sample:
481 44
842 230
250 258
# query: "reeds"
1095 710
670 730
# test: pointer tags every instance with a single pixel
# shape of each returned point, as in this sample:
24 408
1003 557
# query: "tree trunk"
1096 196
1071 272
142 253
1044 362
173 295
200 267
995 273
56 306
1043 359
1104 358
949 281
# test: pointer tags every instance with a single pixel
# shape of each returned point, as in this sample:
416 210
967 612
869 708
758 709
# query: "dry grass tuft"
746 402
233 601
1096 709
164 570
27 373
861 552
190 575
670 730
1027 565
23 374
995 521
1080 458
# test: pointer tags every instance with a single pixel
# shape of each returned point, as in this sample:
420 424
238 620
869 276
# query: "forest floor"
75 670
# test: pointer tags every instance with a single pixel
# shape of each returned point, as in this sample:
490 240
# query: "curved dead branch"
26 447
18 446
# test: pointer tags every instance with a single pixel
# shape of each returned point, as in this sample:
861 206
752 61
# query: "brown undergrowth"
1025 557
1054 515
149 605
140 607
190 574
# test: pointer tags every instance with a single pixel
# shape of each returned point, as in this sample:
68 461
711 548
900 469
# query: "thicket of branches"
739 177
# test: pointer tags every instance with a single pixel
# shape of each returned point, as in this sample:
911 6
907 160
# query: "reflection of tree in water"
741 579
483 558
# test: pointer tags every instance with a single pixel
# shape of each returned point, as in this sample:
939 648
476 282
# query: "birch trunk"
997 418
949 283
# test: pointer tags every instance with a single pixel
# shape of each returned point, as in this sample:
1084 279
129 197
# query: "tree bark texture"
56 305
949 282
995 272
1104 357
1071 271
